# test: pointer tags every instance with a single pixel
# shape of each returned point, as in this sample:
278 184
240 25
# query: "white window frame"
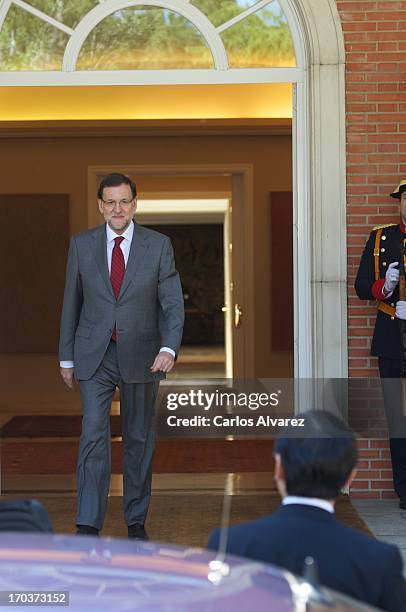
221 73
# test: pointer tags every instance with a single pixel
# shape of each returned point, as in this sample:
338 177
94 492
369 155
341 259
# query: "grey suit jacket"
148 313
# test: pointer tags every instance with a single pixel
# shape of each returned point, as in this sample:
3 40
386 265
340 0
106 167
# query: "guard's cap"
399 190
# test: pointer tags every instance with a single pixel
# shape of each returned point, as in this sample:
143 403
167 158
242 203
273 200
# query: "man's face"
118 207
403 206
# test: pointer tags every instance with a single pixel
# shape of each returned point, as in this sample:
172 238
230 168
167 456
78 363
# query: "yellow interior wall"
59 165
263 100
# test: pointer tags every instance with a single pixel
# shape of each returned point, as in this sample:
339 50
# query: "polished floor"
30 455
40 419
183 518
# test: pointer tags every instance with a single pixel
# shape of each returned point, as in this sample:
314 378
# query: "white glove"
391 277
401 310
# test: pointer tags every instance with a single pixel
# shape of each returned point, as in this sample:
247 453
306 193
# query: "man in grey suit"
121 326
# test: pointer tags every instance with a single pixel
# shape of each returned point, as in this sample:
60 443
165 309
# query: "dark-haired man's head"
320 462
117 198
115 179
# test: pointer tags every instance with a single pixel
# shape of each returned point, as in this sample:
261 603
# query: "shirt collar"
323 504
128 234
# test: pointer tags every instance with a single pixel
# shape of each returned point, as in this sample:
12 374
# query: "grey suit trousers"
94 462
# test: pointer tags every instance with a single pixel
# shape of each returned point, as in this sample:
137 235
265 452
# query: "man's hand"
391 277
163 362
401 310
68 378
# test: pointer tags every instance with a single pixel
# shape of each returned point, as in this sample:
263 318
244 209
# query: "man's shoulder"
387 228
242 532
140 230
281 519
317 521
388 231
89 233
150 234
370 547
304 517
256 527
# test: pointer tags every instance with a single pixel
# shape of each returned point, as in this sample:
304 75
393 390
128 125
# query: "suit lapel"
101 257
138 249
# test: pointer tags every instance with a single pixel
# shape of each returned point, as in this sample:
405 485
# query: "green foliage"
28 43
261 40
218 12
142 37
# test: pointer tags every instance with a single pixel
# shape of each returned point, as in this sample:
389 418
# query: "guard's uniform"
383 248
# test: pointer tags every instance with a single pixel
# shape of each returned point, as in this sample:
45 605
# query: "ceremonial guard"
378 279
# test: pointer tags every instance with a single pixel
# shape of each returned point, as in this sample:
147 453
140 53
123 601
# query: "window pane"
262 40
69 12
144 38
220 11
28 43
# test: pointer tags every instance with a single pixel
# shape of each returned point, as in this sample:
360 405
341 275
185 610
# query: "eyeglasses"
110 204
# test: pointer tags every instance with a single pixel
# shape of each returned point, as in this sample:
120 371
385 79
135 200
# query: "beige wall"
59 165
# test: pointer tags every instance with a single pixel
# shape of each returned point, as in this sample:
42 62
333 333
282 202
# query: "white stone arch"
107 8
319 163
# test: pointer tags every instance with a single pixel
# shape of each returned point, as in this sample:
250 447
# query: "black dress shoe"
402 503
86 530
137 532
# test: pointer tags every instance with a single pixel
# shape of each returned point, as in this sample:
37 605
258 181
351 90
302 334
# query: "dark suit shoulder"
368 543
349 561
330 528
306 518
242 534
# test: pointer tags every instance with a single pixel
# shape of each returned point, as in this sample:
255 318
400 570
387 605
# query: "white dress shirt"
125 246
323 504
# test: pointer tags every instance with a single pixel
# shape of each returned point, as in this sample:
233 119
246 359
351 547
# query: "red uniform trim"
377 289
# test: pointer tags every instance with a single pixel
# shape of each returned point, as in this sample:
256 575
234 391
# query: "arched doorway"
318 134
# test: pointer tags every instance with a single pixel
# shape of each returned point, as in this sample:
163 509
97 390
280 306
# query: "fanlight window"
144 38
122 35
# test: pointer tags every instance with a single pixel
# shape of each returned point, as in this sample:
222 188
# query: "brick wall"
374 476
375 44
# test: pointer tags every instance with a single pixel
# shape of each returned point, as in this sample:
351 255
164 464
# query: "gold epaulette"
383 226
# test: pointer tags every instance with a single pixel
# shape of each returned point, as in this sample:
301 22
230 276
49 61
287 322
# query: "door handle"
237 315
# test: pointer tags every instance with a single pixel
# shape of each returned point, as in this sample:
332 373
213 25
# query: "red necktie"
117 272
